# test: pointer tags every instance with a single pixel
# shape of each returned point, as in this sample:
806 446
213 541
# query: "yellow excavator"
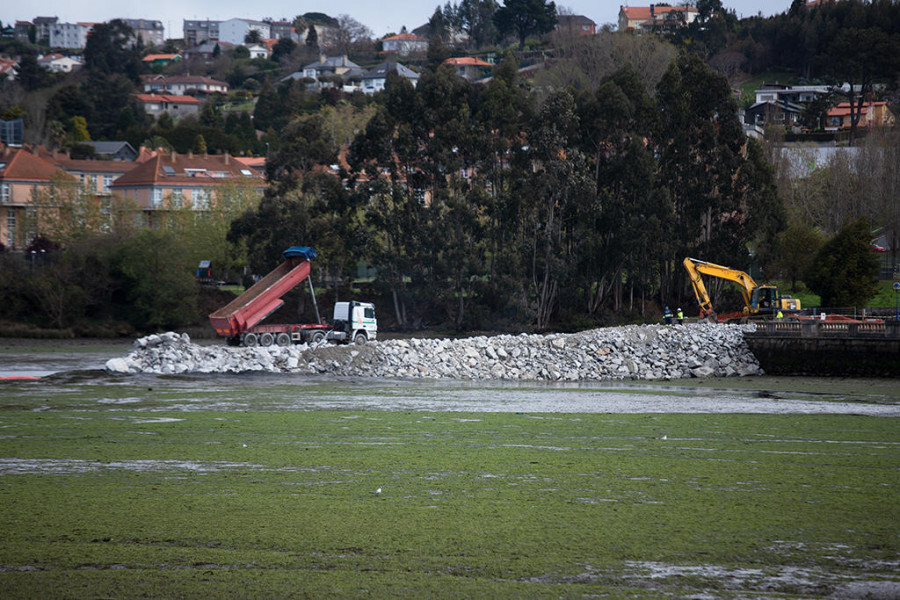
760 301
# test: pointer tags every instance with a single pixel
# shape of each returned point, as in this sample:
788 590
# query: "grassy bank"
133 500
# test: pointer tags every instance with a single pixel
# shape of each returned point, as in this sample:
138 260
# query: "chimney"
173 155
190 154
226 157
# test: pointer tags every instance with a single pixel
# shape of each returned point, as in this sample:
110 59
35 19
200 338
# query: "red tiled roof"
187 170
154 98
467 61
23 165
152 57
404 36
843 109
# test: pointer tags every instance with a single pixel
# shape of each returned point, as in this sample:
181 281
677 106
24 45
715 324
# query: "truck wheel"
283 339
359 339
266 339
250 340
317 337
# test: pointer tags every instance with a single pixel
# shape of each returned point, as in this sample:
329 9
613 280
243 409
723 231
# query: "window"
157 197
5 193
107 181
11 227
177 197
200 199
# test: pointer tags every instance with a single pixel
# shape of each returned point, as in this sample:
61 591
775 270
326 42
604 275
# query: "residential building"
872 115
404 44
469 67
180 85
282 29
198 32
372 81
175 106
152 33
57 63
114 151
170 180
44 26
234 31
7 68
69 35
21 31
257 51
329 66
160 60
23 175
798 94
655 17
206 51
95 176
575 25
772 112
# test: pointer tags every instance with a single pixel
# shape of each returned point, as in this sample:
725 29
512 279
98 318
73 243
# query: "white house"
57 63
257 51
234 31
372 81
182 84
404 44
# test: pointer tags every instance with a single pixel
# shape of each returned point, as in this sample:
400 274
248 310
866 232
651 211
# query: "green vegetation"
127 497
565 198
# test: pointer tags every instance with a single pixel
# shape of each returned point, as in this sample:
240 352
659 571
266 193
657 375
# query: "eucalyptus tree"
700 143
554 184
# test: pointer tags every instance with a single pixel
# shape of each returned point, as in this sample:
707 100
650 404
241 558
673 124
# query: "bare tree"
583 61
350 33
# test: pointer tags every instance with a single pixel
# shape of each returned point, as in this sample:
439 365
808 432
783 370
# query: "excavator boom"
757 298
696 267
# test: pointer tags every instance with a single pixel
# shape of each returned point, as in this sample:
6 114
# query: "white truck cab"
354 322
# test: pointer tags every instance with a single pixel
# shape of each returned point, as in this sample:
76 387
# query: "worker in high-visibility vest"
679 316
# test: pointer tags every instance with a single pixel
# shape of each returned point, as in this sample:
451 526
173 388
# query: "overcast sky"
381 16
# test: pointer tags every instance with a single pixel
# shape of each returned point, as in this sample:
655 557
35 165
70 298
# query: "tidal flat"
267 486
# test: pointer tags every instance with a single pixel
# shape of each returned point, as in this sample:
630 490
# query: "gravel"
634 352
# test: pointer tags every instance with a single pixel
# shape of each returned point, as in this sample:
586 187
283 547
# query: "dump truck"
353 321
760 301
239 320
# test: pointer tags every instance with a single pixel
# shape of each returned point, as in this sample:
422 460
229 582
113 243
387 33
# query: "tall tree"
524 18
110 49
700 142
845 271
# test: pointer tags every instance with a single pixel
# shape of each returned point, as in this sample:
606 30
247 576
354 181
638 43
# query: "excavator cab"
764 299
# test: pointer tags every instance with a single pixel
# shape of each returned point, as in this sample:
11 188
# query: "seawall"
867 349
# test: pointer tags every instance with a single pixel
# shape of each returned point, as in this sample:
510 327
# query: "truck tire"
250 340
283 339
317 337
360 339
266 339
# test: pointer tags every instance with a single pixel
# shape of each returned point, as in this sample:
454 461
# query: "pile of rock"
631 352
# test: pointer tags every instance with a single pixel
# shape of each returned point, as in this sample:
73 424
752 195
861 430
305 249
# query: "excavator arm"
696 268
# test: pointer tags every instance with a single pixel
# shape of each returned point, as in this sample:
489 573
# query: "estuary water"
74 369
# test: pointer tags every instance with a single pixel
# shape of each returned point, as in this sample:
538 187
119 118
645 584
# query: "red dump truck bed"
262 299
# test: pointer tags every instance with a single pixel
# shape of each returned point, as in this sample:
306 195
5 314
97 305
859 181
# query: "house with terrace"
180 85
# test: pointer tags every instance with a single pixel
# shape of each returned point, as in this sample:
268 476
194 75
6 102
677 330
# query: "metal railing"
816 328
